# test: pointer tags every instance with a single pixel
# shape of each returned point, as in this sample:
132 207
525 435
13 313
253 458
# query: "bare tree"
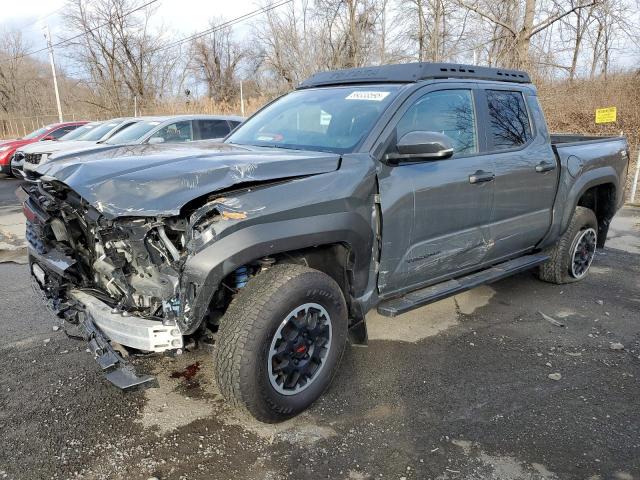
516 23
120 54
216 59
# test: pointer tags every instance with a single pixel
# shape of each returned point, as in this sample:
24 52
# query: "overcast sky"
182 16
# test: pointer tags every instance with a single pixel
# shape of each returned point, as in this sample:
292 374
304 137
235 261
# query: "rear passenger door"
525 169
209 129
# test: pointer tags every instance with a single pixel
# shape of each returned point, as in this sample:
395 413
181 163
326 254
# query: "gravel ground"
457 390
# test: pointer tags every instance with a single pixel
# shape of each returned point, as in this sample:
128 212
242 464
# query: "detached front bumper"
130 331
101 324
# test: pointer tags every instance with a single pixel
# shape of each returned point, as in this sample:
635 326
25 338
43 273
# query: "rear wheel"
281 341
572 256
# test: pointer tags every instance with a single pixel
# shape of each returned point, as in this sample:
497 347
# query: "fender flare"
589 179
210 266
568 196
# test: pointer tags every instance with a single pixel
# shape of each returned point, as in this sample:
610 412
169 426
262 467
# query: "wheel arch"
337 244
601 199
600 184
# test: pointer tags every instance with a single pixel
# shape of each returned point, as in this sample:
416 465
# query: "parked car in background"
29 157
51 132
16 161
156 130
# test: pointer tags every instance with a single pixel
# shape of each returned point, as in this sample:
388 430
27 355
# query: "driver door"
436 213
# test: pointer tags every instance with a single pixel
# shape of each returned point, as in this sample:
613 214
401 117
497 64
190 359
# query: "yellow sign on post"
606 115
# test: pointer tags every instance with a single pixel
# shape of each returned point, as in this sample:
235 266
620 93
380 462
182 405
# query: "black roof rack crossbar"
414 72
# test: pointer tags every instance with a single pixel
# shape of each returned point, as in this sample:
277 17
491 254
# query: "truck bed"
572 138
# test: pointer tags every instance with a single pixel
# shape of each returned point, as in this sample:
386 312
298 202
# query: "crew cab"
376 188
49 132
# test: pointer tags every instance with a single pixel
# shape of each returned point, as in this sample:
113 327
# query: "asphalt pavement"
8 186
479 386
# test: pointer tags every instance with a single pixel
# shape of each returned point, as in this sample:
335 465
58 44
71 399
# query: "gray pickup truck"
386 187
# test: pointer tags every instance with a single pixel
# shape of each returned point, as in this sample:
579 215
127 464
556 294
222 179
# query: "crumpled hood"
157 180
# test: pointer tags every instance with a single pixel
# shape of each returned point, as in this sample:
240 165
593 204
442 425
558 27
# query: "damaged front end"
117 279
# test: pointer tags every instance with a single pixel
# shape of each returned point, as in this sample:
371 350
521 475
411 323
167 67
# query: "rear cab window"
509 123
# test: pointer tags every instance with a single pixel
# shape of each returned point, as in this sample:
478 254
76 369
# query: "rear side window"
212 129
63 131
509 121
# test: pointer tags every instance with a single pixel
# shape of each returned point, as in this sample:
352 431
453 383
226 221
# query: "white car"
29 157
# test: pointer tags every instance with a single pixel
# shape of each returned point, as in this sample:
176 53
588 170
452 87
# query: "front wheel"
280 341
571 257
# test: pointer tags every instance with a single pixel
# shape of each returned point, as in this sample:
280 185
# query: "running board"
425 296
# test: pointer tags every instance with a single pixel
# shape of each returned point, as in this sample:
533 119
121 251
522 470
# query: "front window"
449 112
133 133
334 119
173 133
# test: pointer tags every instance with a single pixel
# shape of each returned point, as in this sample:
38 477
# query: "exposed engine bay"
132 264
133 261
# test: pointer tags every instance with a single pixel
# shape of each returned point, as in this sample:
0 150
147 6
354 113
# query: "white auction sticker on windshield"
372 96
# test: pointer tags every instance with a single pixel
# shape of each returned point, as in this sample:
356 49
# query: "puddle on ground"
427 321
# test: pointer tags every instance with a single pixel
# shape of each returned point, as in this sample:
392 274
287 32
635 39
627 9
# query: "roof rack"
414 72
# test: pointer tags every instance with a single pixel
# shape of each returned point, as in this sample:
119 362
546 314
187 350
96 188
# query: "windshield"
133 133
36 133
76 133
100 131
334 119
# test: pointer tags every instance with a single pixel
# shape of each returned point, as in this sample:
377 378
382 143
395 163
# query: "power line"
220 26
67 40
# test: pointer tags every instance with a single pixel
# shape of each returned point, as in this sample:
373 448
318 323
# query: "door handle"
545 167
481 176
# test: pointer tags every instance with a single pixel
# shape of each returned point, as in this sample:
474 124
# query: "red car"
50 132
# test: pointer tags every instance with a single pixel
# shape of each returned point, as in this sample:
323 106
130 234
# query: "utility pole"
634 185
241 100
47 36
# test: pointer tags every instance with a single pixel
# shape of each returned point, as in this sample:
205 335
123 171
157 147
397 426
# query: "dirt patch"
427 321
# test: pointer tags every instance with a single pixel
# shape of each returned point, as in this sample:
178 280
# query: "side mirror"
155 140
49 137
420 145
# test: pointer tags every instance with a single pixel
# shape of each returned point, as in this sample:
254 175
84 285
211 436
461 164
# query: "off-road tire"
248 328
558 268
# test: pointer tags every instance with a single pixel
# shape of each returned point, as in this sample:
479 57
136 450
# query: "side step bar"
425 296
